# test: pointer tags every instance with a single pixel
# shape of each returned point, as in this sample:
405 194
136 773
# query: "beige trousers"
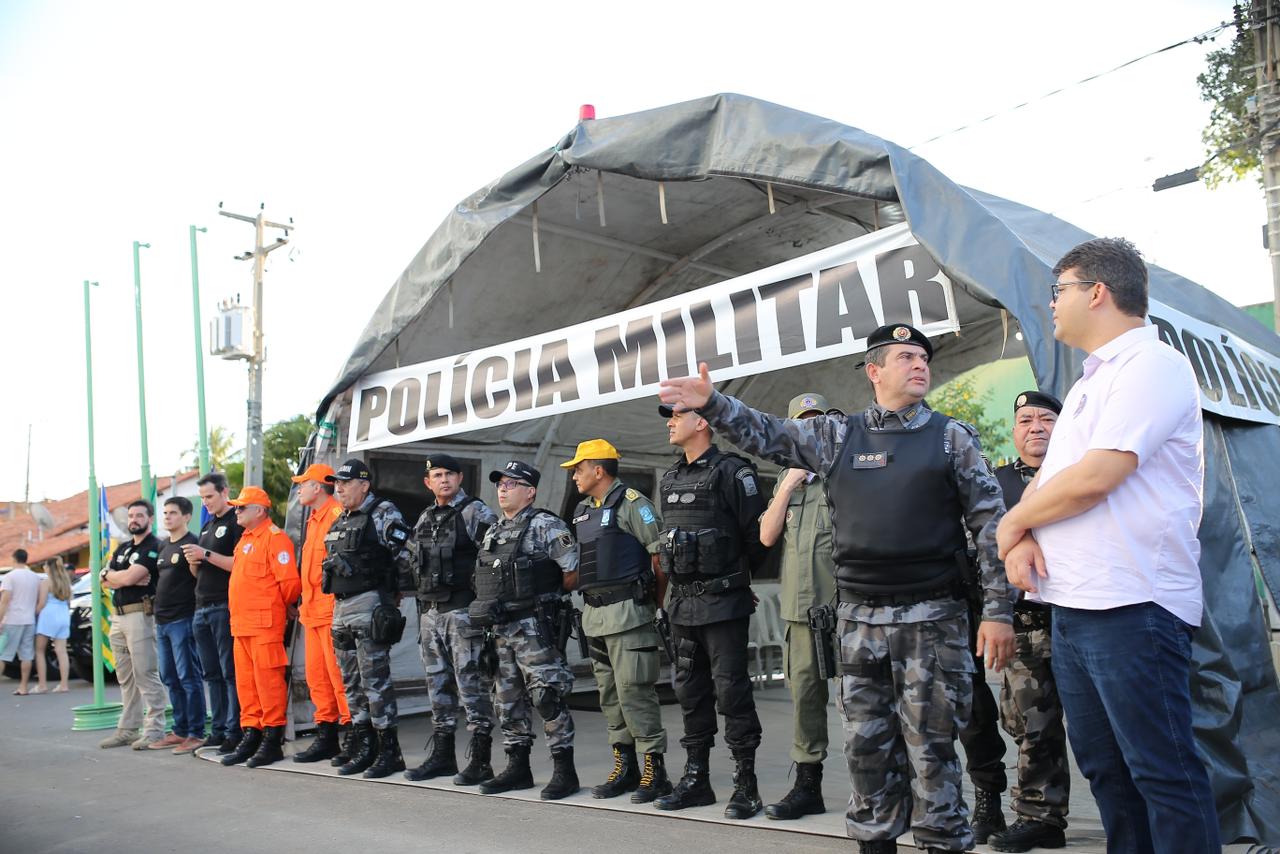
133 641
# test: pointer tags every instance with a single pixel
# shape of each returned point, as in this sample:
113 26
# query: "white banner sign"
819 306
1236 379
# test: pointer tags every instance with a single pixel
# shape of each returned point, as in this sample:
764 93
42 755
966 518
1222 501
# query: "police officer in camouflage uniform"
711 506
521 599
798 517
903 484
618 530
446 541
1029 705
363 568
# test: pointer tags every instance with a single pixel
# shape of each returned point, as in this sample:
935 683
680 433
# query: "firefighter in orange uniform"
324 678
264 584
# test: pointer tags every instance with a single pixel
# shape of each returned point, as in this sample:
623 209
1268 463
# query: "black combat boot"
231 742
443 760
478 769
654 782
564 779
347 740
517 774
389 759
364 750
250 738
694 788
805 797
745 800
1028 833
324 747
988 818
270 750
879 846
213 741
625 776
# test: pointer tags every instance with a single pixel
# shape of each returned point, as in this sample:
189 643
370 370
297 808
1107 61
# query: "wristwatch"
206 554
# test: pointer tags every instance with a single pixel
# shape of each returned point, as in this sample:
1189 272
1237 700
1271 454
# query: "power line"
1200 38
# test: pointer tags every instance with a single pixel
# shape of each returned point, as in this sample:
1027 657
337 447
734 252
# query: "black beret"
443 461
898 333
1037 398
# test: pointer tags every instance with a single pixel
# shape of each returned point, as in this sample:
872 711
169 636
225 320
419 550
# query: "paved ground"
61 793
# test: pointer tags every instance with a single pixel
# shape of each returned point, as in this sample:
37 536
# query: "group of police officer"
880 515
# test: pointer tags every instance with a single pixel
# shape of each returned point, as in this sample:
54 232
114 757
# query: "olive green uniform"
624 643
808 579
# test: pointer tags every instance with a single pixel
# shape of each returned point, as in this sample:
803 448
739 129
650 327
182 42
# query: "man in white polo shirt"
1106 533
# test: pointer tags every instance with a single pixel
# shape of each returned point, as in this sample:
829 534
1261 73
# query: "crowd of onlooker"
35 611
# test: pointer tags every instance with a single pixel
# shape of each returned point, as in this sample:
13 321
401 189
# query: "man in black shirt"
210 560
711 504
131 578
175 640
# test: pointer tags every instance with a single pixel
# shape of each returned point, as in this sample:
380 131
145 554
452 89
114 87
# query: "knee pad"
548 702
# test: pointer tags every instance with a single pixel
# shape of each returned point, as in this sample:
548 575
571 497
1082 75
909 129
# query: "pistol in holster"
822 625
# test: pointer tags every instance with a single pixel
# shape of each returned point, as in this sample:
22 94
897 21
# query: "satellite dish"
120 516
42 517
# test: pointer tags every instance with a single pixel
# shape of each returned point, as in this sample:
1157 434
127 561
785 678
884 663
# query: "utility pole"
195 310
253 433
1266 43
147 483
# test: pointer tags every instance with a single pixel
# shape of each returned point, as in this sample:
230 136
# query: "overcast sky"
366 123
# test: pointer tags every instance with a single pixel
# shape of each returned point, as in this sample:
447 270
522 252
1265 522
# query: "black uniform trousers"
711 673
983 745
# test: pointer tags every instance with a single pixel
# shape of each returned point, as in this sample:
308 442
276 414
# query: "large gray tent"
747 184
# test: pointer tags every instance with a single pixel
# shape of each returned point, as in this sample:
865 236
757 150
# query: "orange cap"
316 472
251 495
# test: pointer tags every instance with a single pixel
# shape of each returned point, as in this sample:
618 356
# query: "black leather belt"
914 597
609 595
720 584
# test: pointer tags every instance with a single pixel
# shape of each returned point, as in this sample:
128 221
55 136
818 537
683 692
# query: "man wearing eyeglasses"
904 484
264 585
520 596
1106 534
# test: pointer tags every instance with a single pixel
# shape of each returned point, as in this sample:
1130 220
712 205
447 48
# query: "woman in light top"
53 622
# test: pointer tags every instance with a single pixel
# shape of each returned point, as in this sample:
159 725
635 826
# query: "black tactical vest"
701 539
896 517
356 560
608 555
447 555
507 581
1011 484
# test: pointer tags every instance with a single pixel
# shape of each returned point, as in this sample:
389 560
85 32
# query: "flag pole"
99 714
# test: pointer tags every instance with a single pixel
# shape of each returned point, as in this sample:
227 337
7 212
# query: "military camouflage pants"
905 691
531 674
1032 713
365 665
451 655
626 668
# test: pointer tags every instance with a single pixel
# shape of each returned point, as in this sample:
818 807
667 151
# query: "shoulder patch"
646 514
274 529
748 478
631 494
565 539
283 557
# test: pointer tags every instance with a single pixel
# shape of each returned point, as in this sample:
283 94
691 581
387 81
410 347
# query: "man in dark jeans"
211 560
175 639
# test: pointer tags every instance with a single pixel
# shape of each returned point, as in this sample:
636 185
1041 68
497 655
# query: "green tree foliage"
1232 146
221 447
960 399
282 445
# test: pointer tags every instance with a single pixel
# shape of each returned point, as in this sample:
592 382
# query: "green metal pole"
99 714
195 312
147 484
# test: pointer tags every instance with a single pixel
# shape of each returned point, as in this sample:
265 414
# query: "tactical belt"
612 595
146 606
914 597
1027 619
720 584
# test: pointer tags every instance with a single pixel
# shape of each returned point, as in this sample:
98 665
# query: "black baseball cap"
898 333
1037 398
516 470
352 469
444 461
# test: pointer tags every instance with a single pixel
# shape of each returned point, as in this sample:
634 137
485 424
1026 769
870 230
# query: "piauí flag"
105 548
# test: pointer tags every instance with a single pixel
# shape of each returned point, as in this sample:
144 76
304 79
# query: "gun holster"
387 625
822 625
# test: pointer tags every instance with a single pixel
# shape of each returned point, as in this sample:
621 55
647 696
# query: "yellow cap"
593 449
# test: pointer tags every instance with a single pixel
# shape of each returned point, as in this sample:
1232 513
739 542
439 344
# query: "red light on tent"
586 112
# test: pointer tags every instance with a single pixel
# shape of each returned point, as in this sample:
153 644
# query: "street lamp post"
147 484
195 311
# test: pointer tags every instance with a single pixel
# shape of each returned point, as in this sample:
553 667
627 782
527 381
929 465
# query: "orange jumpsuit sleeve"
285 567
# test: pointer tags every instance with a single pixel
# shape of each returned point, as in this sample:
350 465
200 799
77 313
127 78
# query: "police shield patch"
283 557
748 482
220 531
